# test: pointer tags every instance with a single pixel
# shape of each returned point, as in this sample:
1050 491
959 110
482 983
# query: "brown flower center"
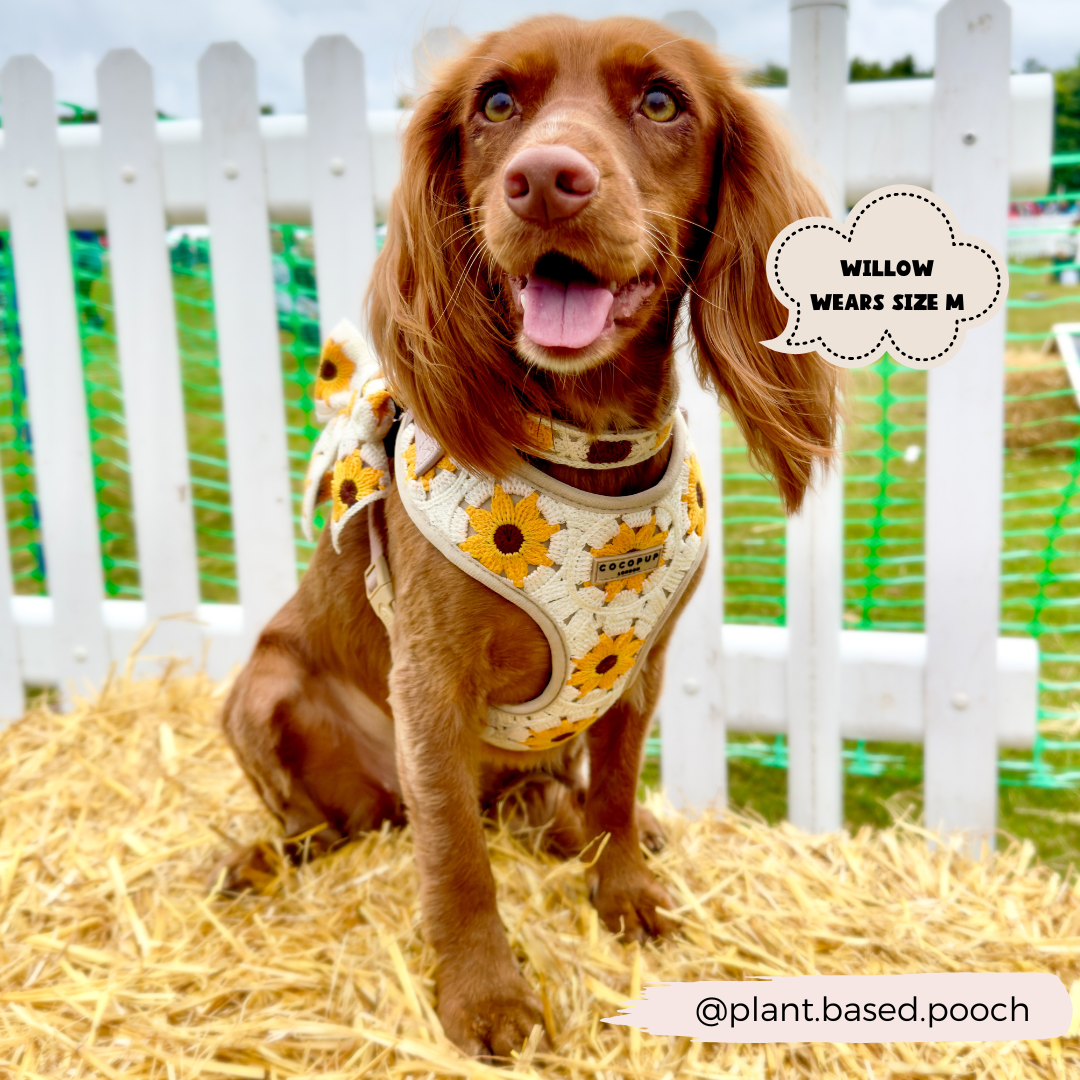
508 539
607 664
328 370
347 492
607 453
699 492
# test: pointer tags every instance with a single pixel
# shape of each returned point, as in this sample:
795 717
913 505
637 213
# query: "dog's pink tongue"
565 316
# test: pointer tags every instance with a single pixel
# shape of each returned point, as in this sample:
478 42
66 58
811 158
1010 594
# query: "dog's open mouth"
564 306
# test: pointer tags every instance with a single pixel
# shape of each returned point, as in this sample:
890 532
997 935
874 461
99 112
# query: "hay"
115 962
1043 413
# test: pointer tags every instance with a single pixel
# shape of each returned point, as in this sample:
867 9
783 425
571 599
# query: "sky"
71 36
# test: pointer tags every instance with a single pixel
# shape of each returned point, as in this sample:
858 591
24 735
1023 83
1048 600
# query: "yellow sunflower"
663 433
630 540
335 371
605 662
543 740
695 499
409 455
539 433
353 481
509 539
378 400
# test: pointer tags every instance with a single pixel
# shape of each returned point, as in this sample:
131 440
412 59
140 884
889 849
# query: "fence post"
815 537
251 376
54 373
693 760
149 356
964 421
12 700
340 168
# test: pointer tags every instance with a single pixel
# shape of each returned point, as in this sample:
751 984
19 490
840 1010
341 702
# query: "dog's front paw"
489 1016
651 833
628 899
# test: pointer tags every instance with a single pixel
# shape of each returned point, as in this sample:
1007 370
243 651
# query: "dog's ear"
438 326
785 405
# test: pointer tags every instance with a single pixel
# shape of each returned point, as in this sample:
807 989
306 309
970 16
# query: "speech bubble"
899 277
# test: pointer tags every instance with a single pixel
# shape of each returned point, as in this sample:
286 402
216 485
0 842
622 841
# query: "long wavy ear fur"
439 326
786 406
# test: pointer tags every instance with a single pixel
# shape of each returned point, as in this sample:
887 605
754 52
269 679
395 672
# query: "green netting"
884 474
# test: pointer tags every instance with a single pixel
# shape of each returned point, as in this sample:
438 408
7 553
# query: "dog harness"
598 574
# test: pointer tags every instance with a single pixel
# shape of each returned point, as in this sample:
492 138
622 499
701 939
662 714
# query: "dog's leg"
485 1005
621 886
318 751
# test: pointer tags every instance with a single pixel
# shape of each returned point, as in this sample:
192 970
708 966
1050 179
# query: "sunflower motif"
539 433
663 433
605 662
352 482
543 740
409 455
509 539
695 499
335 371
378 399
630 540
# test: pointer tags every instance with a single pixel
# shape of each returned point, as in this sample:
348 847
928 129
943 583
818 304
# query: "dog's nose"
545 184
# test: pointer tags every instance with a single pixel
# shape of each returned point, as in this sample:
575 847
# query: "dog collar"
566 444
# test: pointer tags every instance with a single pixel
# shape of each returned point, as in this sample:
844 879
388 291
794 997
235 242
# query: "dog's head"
564 184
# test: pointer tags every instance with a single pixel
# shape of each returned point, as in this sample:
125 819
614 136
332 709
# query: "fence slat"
964 423
817 83
149 355
12 700
814 602
693 761
340 171
251 375
54 373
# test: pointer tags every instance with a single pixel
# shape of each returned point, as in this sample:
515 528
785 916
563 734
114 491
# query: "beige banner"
940 1007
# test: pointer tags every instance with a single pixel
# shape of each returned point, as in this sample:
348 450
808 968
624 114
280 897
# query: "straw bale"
1045 411
116 959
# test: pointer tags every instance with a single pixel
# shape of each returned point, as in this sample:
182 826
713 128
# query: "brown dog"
616 152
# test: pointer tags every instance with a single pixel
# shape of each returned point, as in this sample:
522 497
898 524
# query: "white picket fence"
959 687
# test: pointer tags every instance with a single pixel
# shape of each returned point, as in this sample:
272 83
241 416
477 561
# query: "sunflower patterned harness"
598 574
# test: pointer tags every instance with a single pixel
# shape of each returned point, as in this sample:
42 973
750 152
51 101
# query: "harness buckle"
380 590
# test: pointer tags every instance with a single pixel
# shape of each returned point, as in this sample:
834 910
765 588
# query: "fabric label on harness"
614 567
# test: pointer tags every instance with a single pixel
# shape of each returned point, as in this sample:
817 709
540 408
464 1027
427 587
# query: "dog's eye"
659 105
498 106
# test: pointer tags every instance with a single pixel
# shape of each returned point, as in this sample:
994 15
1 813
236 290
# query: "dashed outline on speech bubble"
922 226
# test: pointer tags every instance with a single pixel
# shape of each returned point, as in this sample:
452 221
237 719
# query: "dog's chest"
598 575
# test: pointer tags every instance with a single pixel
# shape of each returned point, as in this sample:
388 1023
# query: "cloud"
899 277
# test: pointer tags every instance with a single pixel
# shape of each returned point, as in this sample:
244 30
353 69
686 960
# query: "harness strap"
377 580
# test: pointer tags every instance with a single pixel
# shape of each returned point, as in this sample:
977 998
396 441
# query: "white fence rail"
888 142
239 171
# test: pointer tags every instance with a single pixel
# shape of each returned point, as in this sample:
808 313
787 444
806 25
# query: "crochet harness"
598 574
